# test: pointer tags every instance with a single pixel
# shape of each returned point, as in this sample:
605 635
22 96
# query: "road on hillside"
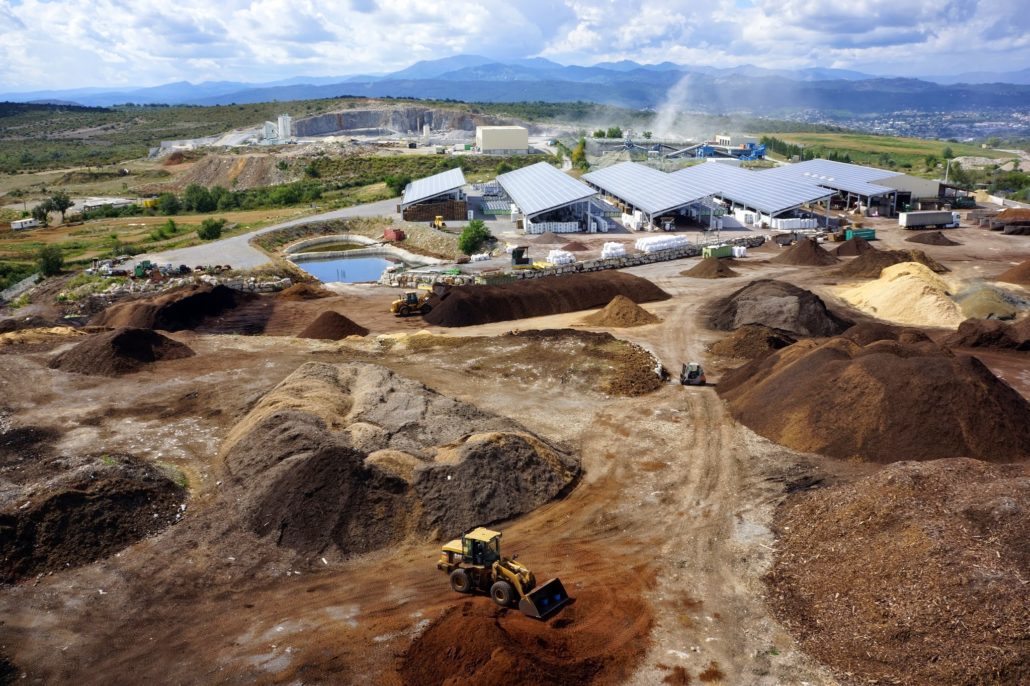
237 250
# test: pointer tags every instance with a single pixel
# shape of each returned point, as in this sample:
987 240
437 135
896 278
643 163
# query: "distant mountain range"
625 83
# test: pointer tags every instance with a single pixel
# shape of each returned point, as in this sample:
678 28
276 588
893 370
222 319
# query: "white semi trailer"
927 219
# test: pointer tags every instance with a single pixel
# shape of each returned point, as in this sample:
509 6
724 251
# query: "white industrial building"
448 185
652 199
277 132
502 140
545 199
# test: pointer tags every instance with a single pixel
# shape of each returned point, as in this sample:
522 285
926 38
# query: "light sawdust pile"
914 575
907 293
621 312
383 457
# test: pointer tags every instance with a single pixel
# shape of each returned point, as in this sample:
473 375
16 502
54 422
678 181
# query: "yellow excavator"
474 564
438 223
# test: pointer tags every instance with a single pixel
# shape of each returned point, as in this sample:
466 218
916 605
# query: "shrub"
473 236
49 260
211 229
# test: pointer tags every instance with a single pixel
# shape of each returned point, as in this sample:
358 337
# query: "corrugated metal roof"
647 189
850 178
540 187
432 186
763 192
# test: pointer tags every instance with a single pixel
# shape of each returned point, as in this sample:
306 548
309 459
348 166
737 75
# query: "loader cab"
481 547
411 298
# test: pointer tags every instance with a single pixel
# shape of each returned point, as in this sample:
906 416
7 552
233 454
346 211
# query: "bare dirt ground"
664 541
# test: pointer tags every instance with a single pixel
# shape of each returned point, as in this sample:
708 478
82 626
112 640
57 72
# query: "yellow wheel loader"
411 303
475 565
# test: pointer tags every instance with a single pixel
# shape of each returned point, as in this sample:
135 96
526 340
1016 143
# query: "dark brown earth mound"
886 401
60 512
991 333
469 305
383 457
19 323
621 312
870 265
777 305
853 247
575 246
913 575
931 238
547 238
865 333
710 268
597 639
1020 274
175 311
752 341
805 252
332 326
121 351
303 291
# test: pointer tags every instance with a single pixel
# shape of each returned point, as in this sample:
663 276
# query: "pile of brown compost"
1020 274
117 352
383 457
752 341
853 247
913 575
60 511
932 238
991 333
470 305
710 268
621 312
303 291
332 326
777 305
173 311
896 398
870 264
807 253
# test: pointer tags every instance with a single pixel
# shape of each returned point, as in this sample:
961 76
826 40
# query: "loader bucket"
544 600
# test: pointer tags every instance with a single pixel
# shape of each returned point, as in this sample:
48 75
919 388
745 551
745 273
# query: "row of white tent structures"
546 199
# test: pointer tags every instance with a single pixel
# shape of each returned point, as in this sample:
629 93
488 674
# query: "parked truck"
928 219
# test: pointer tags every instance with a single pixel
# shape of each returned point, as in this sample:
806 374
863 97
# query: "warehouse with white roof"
650 198
853 183
442 195
546 199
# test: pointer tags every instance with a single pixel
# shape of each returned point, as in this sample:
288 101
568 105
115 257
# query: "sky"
63 44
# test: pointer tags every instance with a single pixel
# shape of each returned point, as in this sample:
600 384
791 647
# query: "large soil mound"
805 252
621 312
854 247
914 575
597 639
752 341
710 268
332 326
871 264
932 238
60 512
885 401
777 305
382 457
907 293
470 305
1020 274
174 311
991 333
121 351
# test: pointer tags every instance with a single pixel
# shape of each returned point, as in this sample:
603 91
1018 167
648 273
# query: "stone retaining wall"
412 280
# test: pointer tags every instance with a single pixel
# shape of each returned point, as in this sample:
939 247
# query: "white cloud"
75 43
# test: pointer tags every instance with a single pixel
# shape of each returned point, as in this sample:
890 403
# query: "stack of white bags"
656 243
561 257
612 250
